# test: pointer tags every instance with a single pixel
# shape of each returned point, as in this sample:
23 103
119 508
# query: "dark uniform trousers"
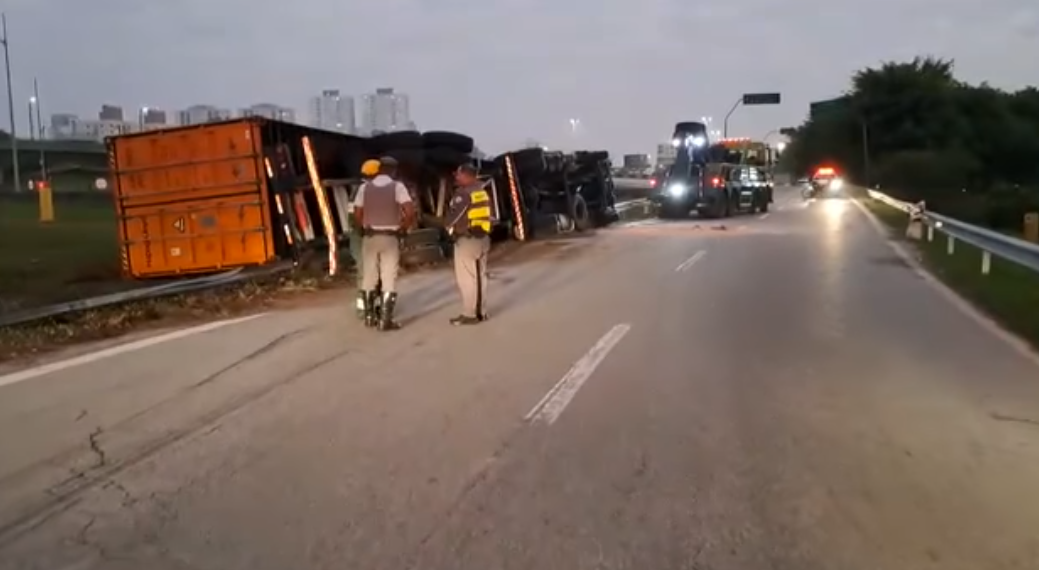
470 255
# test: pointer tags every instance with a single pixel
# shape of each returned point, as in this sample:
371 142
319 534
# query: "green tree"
969 149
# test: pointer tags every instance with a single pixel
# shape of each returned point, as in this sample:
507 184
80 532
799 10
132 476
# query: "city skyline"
382 110
617 73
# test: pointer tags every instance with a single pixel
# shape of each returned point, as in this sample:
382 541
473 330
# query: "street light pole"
39 111
865 153
39 125
10 105
725 123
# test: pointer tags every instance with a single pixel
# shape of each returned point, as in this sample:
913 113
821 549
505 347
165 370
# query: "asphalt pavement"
775 391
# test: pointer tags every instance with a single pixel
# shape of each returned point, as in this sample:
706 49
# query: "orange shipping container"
192 199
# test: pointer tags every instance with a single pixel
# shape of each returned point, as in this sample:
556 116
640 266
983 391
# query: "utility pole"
865 153
39 125
10 106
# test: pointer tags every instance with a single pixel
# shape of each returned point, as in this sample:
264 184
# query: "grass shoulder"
1009 293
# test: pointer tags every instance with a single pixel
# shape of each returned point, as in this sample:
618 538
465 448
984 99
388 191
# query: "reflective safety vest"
480 212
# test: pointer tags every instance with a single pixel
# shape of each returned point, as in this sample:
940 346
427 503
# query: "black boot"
371 309
389 304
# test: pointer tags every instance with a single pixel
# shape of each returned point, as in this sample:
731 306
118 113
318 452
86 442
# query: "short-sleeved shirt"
400 190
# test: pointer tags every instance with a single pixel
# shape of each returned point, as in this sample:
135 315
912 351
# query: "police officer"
369 170
469 222
384 209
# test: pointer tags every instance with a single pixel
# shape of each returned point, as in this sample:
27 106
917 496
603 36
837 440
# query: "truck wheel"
580 214
763 207
724 208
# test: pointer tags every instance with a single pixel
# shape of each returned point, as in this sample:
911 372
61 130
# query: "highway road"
783 392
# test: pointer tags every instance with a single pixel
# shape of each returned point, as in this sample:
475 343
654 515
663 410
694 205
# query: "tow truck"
717 180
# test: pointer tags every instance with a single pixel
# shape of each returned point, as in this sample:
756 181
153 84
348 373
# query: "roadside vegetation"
72 257
970 152
916 133
1009 293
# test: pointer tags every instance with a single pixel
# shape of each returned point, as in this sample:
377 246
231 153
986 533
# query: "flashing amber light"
824 171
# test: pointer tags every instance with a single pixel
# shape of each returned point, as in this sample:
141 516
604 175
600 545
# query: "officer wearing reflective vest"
384 209
369 170
471 215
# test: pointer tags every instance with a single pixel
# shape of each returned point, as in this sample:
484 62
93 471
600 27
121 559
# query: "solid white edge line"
690 262
551 406
986 322
30 373
763 216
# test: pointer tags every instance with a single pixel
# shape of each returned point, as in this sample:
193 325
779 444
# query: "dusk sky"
508 70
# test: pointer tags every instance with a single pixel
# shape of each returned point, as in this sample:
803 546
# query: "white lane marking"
950 295
551 406
30 373
685 265
763 216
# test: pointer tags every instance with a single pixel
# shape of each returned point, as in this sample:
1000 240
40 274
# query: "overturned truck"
252 191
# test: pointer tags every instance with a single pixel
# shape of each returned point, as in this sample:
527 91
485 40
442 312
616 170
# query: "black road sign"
761 99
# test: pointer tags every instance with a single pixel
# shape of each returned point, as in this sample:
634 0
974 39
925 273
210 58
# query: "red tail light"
716 182
652 182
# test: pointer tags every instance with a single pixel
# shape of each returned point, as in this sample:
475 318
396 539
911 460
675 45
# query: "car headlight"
676 190
836 184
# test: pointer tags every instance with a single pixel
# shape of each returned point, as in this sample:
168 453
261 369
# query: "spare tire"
447 139
399 140
422 238
586 156
529 161
422 256
446 157
580 214
411 158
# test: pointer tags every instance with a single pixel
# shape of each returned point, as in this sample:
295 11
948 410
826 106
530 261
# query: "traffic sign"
761 98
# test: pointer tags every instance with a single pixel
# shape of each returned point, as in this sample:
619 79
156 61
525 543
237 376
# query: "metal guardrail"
232 277
989 242
629 207
633 183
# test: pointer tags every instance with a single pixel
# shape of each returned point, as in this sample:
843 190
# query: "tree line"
916 132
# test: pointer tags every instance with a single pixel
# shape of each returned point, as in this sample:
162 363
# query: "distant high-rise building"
269 111
65 126
110 113
666 154
152 119
62 125
385 111
200 114
333 111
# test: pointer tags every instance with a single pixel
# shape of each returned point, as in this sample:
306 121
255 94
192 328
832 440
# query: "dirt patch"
308 286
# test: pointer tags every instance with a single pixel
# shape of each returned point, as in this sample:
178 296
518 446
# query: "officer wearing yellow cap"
383 207
369 170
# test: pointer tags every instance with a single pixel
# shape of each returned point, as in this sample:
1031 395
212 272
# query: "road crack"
1014 419
95 446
